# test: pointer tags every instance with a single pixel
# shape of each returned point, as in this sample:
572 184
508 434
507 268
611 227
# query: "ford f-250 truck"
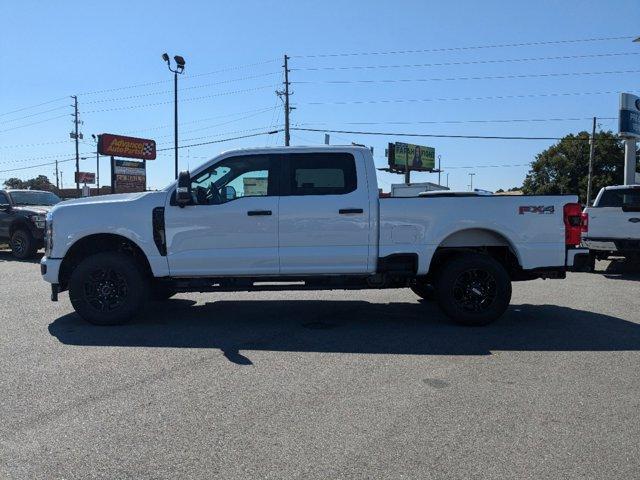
303 218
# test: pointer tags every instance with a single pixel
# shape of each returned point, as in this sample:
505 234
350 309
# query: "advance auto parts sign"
129 176
128 147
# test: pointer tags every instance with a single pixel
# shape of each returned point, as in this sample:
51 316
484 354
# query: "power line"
159 150
469 62
25 145
147 84
131 107
395 134
436 122
162 92
264 128
160 127
446 99
34 123
33 114
490 77
33 106
473 47
221 141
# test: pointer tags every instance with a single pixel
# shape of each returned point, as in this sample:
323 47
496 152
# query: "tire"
23 245
473 289
161 293
108 288
424 291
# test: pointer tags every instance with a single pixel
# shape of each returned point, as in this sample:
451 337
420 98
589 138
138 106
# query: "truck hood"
119 197
34 209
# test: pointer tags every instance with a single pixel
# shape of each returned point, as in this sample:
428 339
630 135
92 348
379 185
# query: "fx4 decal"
540 209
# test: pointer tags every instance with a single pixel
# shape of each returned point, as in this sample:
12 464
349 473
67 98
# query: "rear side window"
321 174
4 200
618 198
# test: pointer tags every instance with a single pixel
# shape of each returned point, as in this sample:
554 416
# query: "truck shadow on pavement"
351 327
621 269
7 256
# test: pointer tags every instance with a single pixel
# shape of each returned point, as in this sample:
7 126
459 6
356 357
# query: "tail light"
585 222
572 224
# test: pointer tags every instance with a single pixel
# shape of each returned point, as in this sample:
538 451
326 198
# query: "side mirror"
229 193
183 190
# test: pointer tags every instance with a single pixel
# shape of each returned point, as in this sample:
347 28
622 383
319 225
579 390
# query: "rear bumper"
612 244
578 260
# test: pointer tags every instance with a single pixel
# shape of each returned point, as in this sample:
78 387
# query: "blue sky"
234 50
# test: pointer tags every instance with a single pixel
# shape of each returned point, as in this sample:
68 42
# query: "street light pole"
179 69
175 121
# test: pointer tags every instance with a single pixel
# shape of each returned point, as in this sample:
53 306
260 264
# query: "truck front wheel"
108 288
473 289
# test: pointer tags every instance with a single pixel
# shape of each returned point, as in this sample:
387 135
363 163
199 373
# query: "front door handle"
634 220
344 211
253 213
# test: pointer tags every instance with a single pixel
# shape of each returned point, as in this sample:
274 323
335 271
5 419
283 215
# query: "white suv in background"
612 225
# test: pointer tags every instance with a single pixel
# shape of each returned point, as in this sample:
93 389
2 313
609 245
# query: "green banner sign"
414 157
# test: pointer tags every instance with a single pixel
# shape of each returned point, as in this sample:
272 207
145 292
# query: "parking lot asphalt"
370 384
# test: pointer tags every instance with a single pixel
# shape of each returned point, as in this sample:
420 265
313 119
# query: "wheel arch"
479 240
97 243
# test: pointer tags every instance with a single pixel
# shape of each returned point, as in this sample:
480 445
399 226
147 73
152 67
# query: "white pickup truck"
612 225
303 218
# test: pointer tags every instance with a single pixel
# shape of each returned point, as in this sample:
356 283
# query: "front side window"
620 197
233 178
322 174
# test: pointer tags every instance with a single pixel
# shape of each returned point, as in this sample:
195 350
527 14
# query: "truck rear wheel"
473 289
108 288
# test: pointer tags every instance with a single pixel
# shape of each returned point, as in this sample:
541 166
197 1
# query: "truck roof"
620 187
297 148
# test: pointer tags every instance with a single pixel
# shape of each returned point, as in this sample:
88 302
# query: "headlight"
38 220
48 235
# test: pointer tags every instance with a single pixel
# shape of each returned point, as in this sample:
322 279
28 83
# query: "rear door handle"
344 211
253 213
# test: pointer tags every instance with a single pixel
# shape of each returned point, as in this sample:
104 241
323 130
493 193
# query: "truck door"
231 228
324 224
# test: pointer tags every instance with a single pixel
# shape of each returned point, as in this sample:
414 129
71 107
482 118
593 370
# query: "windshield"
34 198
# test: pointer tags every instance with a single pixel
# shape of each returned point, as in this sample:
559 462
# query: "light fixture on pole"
178 69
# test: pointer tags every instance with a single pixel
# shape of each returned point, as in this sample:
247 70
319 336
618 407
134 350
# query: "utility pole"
439 169
471 184
57 179
592 146
447 180
287 108
76 138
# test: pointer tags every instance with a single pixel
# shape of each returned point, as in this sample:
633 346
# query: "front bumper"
50 268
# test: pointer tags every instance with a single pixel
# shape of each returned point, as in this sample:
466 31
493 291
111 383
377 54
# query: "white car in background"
611 227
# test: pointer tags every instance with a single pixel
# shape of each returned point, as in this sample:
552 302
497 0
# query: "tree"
14 183
41 182
564 167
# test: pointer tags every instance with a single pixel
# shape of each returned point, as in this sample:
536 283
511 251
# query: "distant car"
22 219
612 226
